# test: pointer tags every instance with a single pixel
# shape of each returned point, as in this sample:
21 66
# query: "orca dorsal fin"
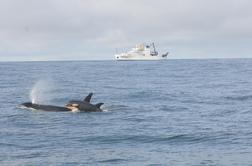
88 98
99 105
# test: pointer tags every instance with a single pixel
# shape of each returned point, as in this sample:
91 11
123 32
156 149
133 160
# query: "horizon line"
74 60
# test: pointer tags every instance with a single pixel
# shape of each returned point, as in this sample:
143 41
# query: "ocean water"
174 112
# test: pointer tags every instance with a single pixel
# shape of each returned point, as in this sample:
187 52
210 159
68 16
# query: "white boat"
141 52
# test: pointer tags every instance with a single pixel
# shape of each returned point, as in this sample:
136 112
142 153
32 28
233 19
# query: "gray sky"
94 29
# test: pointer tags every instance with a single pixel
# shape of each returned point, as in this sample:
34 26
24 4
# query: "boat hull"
139 58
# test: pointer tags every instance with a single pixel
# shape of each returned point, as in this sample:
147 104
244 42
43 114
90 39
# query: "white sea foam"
75 110
105 110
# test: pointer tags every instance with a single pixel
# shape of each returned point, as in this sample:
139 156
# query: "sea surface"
174 112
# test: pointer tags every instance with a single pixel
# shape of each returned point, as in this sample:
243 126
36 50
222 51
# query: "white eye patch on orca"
75 105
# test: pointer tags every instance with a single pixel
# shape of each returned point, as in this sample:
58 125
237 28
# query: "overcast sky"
94 29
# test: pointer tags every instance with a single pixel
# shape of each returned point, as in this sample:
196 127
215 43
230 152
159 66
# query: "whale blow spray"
41 92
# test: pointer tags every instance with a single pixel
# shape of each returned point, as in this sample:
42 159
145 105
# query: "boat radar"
141 52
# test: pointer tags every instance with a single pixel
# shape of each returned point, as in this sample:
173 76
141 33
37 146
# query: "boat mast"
154 47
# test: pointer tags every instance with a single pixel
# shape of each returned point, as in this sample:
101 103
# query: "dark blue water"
175 112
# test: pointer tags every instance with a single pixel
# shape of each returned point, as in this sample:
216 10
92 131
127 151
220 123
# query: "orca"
73 106
42 107
85 105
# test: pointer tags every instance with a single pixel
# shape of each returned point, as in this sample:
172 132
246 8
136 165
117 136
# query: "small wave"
239 98
147 96
146 139
115 108
16 145
116 160
172 108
